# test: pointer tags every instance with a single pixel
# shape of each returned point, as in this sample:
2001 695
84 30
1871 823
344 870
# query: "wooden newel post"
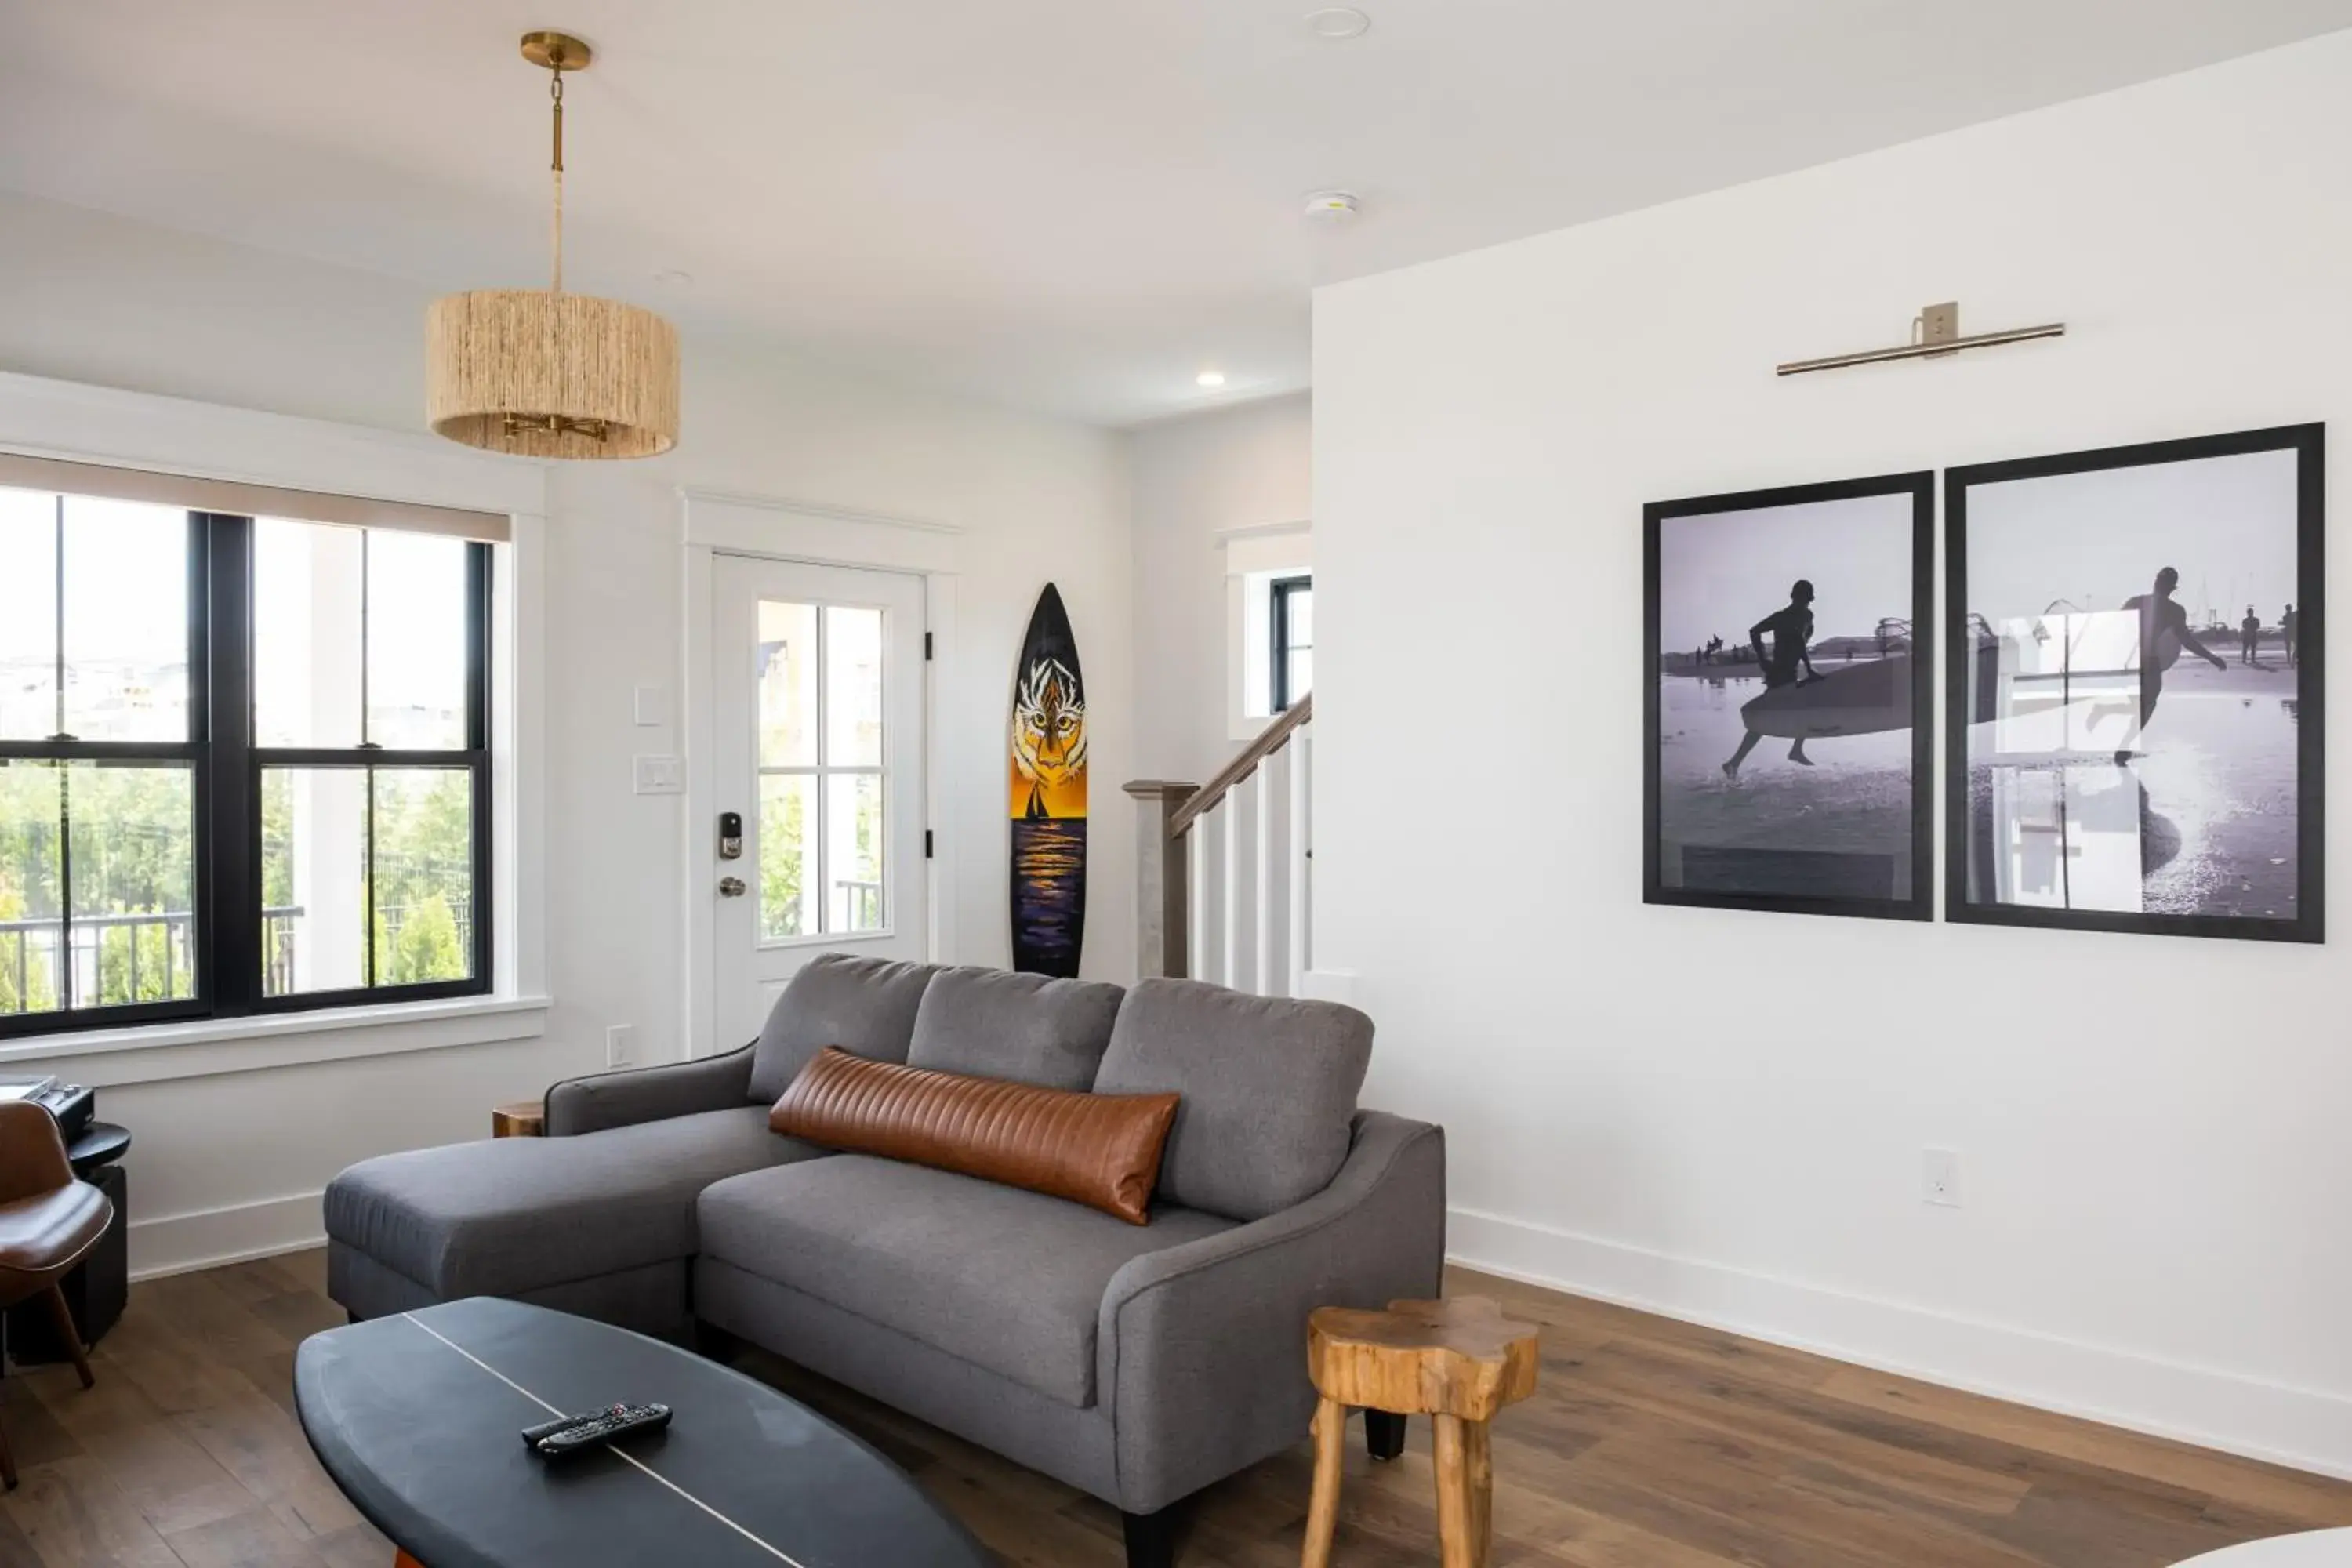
1163 886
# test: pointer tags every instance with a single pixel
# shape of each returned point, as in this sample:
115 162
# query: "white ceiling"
1071 206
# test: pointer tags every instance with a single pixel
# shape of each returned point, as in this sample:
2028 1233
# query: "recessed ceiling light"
1211 378
670 276
1338 22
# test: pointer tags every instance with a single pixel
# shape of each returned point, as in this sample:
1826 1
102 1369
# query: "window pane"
853 687
313 879
126 621
32 816
787 671
787 855
1300 674
416 641
133 872
306 634
424 874
853 858
1299 613
28 619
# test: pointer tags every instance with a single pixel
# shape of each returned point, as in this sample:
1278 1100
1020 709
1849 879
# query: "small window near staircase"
1291 648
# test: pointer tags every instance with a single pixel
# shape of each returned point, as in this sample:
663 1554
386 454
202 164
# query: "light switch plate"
650 707
660 775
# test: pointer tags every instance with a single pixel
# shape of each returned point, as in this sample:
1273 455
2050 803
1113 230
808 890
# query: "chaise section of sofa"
1139 1364
602 1225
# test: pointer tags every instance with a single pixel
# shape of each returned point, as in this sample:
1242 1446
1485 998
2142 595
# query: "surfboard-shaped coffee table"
418 1420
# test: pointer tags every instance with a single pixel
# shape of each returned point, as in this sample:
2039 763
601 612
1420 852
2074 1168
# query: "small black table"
417 1420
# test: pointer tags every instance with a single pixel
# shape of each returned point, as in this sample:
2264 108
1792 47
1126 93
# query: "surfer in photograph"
2250 635
2163 633
1791 628
2288 628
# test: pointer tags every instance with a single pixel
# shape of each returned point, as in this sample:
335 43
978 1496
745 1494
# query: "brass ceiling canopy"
543 373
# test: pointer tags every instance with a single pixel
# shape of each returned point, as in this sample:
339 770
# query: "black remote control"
531 1435
603 1427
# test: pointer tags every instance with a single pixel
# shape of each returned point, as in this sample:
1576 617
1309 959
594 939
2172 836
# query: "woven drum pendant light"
542 372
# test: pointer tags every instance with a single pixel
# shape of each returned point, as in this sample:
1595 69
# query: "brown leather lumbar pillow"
1100 1150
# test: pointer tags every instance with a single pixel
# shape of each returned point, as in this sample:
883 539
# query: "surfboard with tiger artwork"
1048 790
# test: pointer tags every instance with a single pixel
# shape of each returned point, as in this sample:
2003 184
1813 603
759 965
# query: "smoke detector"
1331 207
1337 23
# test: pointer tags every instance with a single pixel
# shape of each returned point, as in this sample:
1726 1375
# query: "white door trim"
715 524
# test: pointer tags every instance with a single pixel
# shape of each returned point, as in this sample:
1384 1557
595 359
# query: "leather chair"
48 1220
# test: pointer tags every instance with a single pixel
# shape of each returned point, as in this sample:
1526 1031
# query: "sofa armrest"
1202 1349
624 1099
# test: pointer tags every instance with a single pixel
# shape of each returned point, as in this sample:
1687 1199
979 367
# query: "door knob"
731 887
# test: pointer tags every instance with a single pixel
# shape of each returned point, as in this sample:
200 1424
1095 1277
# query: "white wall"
234 1163
1721 1113
1197 479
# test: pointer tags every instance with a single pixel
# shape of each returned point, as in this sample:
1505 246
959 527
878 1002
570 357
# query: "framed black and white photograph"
2134 724
1787 660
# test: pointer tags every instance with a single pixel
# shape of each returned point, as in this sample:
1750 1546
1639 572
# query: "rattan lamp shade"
550 375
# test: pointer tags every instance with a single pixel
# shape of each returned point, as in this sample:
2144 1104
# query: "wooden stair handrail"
1206 797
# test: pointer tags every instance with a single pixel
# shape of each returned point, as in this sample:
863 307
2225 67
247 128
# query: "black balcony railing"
144 969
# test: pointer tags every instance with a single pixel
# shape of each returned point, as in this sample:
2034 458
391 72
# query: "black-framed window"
244 763
1291 649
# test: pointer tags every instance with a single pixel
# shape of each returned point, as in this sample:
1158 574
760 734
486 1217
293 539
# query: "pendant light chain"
555 92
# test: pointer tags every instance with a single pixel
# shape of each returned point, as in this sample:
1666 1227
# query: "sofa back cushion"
1268 1090
864 1005
1025 1027
1099 1150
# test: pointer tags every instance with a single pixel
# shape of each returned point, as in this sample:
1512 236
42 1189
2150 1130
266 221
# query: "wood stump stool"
518 1119
1457 1361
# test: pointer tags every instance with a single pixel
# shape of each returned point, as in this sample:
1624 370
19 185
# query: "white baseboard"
206 1239
2214 1409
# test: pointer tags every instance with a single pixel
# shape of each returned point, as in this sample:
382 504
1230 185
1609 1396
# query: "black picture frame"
1919 904
2308 443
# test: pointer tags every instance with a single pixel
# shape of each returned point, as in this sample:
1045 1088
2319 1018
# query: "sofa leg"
1383 1434
1150 1538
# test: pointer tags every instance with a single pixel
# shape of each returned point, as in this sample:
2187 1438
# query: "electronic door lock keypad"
731 835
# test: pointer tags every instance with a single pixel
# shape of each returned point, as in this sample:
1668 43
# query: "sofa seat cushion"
513 1214
1011 1281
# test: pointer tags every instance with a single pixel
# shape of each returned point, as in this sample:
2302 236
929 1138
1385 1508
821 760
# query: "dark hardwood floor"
1652 1444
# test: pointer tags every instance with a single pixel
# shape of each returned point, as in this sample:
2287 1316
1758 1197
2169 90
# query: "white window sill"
205 1047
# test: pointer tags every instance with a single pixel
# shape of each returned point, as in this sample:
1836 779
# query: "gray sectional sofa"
1137 1364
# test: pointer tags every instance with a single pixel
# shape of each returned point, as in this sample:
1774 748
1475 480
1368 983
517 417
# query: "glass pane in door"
787 658
853 687
788 856
853 844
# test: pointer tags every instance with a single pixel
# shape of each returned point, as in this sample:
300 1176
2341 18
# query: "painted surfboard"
1049 780
1859 700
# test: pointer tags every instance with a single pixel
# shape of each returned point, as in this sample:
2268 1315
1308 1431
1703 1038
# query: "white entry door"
817 693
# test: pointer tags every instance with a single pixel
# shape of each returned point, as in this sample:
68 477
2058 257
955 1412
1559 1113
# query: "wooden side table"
1458 1360
518 1119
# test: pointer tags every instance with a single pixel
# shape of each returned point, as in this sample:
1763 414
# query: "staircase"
1225 889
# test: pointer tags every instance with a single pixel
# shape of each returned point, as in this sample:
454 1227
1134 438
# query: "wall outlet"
1939 1178
621 1046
